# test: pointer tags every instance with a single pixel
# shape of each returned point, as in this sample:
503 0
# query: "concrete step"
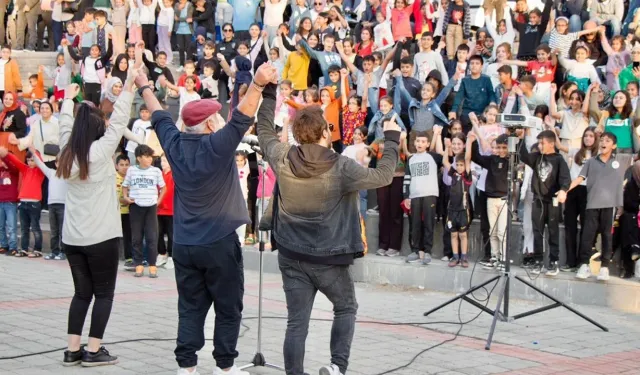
619 294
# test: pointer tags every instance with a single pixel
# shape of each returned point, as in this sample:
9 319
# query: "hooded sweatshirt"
550 173
332 113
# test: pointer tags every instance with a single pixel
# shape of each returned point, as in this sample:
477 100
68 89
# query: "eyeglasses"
227 30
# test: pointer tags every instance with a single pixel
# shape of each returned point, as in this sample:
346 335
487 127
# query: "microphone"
251 140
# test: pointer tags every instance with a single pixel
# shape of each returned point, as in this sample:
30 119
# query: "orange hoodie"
38 91
332 112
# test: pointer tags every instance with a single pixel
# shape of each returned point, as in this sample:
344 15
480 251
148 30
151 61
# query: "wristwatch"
141 89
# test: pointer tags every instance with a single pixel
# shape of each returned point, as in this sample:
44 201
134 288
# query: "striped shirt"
562 42
143 185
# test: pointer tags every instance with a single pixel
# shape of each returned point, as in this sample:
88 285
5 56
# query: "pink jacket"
269 180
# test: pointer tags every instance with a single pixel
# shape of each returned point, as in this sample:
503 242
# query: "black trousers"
92 92
629 239
149 37
45 186
423 222
391 215
574 207
480 209
544 213
94 269
165 226
144 224
596 221
207 274
183 41
56 220
126 236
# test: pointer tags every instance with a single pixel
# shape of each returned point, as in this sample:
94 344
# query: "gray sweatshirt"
57 186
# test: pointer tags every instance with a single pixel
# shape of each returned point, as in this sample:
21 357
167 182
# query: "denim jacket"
415 105
375 125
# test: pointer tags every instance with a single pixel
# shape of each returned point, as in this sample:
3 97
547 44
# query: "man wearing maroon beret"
208 208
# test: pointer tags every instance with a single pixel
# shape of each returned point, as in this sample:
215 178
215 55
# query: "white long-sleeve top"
166 16
134 14
507 37
274 13
147 12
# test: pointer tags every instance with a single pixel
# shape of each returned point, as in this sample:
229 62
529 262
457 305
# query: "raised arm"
107 144
273 148
348 63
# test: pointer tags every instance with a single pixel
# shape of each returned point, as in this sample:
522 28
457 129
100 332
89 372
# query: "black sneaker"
128 265
491 264
99 358
486 262
72 358
567 268
553 269
528 262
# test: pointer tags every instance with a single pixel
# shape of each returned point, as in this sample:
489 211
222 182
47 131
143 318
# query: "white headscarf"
108 91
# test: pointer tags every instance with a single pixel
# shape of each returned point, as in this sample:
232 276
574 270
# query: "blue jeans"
8 225
301 281
57 35
363 203
614 26
30 221
633 4
575 23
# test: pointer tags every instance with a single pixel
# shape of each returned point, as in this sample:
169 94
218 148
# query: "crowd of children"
421 63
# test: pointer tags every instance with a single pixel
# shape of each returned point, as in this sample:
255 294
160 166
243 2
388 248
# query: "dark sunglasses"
318 3
227 30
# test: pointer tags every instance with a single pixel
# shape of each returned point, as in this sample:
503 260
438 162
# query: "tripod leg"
503 280
560 303
462 295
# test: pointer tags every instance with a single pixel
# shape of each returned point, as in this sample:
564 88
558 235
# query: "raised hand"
392 125
265 74
71 91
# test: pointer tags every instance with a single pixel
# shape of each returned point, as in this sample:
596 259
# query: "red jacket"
9 177
165 207
31 179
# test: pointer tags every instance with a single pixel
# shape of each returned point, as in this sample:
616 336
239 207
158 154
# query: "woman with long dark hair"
121 67
618 119
92 229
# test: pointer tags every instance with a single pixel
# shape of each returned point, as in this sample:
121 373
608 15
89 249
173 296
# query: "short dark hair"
369 58
544 47
463 47
548 135
536 11
100 13
427 34
364 130
143 107
406 61
506 69
611 136
33 76
502 139
528 79
143 150
476 58
428 134
90 11
189 62
323 14
459 158
309 124
333 69
329 35
161 53
209 65
122 157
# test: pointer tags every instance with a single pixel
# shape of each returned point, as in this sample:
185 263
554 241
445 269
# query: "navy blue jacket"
208 202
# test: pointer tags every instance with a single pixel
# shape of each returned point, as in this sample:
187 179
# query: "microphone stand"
504 278
258 358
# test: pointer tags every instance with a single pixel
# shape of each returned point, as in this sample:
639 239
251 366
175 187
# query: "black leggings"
92 93
183 41
165 226
94 269
149 37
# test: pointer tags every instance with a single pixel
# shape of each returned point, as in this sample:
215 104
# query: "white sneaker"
381 252
169 264
184 371
584 272
161 260
444 258
330 370
604 274
232 371
392 253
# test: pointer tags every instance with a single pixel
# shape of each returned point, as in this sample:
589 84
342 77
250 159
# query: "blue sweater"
208 202
474 95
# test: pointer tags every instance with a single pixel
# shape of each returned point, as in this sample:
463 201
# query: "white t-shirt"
186 97
90 74
573 127
141 128
273 13
143 185
352 153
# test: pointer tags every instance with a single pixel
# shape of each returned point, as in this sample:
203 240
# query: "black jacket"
497 182
206 18
550 173
316 217
631 193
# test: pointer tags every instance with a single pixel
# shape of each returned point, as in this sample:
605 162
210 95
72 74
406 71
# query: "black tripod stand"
258 358
503 279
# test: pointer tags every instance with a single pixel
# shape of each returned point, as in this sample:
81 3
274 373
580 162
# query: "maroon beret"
197 111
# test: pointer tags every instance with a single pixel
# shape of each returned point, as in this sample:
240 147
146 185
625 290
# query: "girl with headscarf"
121 67
13 124
112 90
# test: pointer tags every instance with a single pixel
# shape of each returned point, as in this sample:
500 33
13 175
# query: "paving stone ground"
36 294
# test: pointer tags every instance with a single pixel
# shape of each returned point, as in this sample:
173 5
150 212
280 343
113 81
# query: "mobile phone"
636 64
